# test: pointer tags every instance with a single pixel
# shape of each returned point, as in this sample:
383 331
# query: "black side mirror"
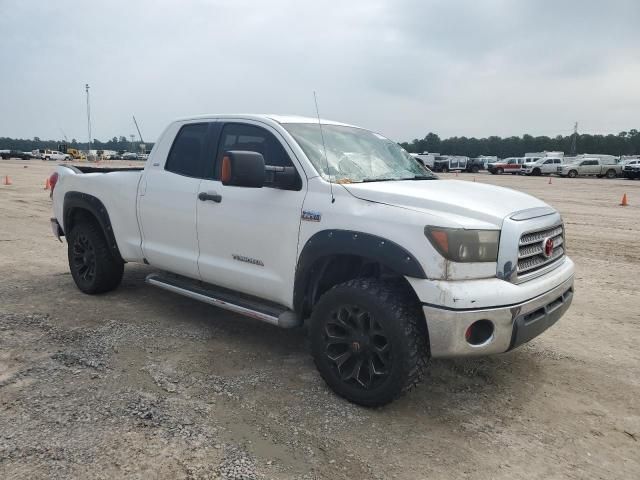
243 169
285 178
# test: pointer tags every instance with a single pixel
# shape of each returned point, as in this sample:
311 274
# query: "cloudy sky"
400 67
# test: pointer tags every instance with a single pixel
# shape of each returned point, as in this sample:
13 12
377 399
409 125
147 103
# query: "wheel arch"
331 257
76 204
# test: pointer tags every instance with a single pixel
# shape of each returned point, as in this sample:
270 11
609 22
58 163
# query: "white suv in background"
542 166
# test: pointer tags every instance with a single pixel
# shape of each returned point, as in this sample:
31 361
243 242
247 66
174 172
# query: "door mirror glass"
243 169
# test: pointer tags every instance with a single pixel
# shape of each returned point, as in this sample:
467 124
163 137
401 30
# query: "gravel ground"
139 383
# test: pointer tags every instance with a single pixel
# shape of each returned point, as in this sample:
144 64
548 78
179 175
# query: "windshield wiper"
367 180
415 177
421 177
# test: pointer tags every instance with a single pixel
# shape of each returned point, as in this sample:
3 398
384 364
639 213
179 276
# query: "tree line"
118 144
624 143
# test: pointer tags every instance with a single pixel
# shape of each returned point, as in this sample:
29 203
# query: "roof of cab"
282 119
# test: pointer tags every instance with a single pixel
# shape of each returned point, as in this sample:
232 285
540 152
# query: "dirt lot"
140 383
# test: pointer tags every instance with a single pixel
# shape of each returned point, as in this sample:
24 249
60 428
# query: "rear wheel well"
79 215
333 270
82 211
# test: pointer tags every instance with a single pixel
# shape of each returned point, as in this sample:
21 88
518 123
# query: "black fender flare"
74 201
327 243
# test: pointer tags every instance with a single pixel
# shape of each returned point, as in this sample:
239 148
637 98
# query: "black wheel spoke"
84 258
357 347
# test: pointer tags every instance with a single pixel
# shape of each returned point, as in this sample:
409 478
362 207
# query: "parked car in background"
129 156
426 159
474 165
7 154
450 163
511 165
631 169
542 166
589 167
55 155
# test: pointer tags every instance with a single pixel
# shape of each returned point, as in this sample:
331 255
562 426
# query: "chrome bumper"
513 325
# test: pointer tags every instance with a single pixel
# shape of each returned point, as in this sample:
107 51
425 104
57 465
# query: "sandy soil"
140 383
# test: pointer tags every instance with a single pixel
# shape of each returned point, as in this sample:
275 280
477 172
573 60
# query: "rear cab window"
186 156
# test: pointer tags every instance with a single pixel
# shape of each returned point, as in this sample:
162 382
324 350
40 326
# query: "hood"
445 198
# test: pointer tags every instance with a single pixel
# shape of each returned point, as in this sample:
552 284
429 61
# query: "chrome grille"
531 257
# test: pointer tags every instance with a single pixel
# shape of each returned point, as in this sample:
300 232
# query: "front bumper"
513 325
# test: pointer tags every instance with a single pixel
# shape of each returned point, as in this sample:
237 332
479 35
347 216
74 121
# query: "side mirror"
282 177
243 169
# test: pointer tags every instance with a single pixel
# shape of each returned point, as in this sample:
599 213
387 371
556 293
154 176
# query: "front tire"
611 174
499 171
369 340
93 267
572 174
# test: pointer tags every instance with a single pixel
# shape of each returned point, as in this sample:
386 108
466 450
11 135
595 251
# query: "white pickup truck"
288 219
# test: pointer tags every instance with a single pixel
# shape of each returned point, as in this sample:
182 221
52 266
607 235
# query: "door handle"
212 196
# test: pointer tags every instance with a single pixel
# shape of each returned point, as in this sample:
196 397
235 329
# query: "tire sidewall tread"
109 270
399 312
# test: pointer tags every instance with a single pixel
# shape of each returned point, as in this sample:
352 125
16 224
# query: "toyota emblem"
547 247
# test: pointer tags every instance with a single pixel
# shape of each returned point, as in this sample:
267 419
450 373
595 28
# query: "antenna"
324 147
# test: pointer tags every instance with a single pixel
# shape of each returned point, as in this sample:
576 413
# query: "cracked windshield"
355 155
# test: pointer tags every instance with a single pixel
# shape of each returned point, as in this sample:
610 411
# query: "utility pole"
132 147
88 120
574 140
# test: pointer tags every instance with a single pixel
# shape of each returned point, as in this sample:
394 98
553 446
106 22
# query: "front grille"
531 257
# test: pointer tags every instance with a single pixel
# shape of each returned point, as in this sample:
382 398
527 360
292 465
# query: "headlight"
459 245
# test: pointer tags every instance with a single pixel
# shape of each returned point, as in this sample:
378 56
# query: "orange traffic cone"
7 180
624 202
47 184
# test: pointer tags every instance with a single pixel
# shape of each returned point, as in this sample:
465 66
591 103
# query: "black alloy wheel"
357 347
84 258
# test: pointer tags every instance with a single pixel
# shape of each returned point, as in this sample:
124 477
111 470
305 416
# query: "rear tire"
369 340
93 266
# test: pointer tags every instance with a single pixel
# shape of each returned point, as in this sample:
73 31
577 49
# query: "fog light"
479 332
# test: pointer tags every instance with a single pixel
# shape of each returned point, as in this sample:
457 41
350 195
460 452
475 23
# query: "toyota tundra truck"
293 221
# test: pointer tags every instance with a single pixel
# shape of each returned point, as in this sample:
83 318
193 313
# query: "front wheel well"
329 271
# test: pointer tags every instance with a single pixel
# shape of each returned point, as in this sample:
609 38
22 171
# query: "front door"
248 237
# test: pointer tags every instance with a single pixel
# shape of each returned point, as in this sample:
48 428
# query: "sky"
400 67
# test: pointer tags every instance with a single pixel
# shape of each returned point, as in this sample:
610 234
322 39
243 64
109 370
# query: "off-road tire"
392 308
99 271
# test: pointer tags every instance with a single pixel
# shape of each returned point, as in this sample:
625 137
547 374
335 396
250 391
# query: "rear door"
249 236
168 198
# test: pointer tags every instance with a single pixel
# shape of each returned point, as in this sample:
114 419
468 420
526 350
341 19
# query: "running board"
249 306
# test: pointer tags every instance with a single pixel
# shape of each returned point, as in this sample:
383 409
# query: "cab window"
238 136
186 154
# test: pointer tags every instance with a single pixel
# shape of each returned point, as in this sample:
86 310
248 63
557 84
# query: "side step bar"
249 306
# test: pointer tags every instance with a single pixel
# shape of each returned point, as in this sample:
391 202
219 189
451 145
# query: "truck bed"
91 169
